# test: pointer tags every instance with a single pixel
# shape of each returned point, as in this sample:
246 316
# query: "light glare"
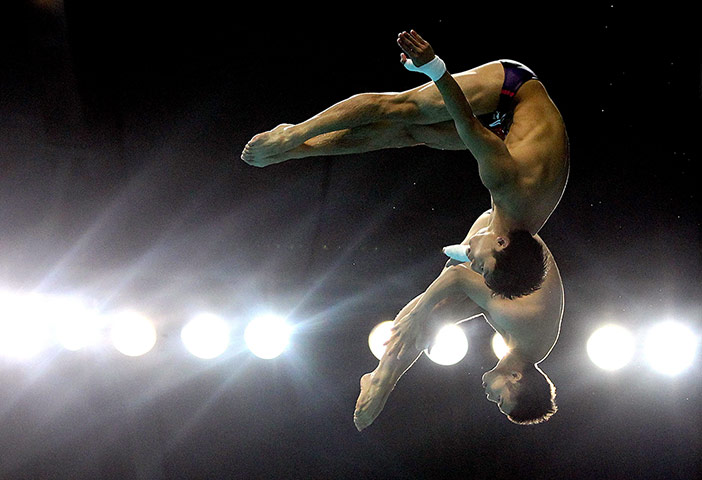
133 334
76 325
611 347
670 347
24 328
206 336
380 334
267 336
499 347
449 347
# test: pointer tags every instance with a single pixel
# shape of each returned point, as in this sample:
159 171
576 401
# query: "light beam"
132 334
267 336
611 347
206 336
449 347
670 347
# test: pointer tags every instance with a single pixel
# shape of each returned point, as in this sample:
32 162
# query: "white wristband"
434 69
457 252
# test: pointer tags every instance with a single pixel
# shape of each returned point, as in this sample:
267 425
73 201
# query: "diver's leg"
375 136
377 385
420 106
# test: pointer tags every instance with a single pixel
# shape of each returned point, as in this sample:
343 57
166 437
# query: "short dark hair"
520 267
535 398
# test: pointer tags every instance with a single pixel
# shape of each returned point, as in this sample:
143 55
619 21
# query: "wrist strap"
434 69
457 252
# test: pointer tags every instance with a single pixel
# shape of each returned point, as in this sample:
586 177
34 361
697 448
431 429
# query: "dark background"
121 125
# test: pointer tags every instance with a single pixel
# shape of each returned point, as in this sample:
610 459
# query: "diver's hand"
415 48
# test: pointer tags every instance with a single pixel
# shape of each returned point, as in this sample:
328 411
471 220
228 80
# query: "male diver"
503 115
499 111
530 326
526 181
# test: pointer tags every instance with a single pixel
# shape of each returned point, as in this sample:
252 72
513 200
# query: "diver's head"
513 265
521 391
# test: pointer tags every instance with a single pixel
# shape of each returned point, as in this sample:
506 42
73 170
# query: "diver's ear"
515 376
502 243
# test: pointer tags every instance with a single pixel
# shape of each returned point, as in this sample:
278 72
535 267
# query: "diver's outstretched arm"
495 163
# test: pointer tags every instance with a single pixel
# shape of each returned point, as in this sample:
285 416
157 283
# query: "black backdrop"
121 127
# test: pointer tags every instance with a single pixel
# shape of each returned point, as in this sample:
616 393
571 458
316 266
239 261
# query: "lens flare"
449 347
670 347
132 334
267 336
380 334
499 347
611 347
206 336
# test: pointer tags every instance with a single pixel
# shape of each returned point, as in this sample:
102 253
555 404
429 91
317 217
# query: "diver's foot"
270 144
370 402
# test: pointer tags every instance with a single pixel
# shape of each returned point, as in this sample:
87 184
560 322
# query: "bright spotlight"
132 334
499 347
611 347
670 347
24 327
23 338
449 347
206 336
76 325
267 336
380 334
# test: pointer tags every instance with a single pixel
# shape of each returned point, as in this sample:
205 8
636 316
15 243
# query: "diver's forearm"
446 285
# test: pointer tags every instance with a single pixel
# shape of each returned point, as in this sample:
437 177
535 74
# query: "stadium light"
611 347
267 336
132 333
24 327
380 334
206 336
670 347
449 347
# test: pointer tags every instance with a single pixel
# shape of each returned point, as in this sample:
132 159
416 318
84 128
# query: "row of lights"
670 347
31 323
449 347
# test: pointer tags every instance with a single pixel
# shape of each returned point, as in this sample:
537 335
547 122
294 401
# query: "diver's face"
482 251
499 388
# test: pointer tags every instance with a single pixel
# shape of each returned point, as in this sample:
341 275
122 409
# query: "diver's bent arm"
454 280
495 164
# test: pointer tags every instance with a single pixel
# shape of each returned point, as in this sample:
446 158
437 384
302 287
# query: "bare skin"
530 326
373 121
526 173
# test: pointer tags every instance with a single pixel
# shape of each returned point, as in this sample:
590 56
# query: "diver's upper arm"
473 285
496 166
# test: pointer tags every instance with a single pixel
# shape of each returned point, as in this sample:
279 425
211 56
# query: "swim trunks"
500 121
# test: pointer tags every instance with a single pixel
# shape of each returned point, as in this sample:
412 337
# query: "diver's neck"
514 360
499 223
505 220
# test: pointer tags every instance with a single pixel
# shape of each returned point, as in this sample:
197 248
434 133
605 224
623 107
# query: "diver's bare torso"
529 324
532 324
538 143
